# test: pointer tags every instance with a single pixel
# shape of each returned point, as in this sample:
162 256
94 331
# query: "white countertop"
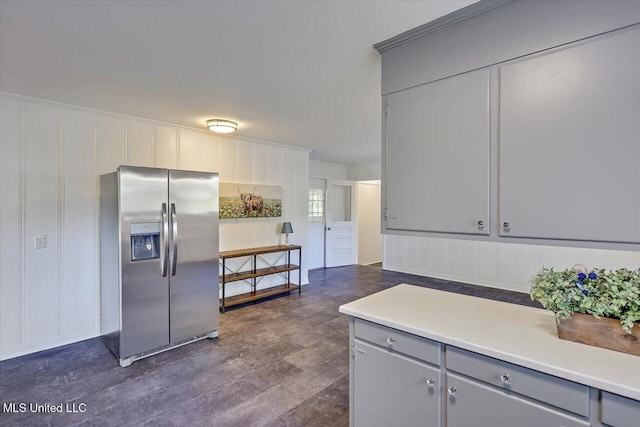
518 334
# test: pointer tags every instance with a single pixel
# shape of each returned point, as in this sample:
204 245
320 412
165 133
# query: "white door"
315 227
341 234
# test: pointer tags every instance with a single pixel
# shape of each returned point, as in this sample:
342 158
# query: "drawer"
402 342
555 391
472 403
620 411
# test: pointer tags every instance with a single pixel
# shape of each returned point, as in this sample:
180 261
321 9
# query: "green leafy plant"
614 294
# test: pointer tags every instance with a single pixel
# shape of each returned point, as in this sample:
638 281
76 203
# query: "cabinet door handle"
452 391
391 340
506 378
431 382
480 224
506 226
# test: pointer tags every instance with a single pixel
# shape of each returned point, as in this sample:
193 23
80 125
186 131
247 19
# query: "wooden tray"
603 332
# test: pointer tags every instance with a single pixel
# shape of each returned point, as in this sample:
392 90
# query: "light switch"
40 242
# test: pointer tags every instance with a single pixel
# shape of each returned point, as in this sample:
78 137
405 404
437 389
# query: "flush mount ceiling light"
222 126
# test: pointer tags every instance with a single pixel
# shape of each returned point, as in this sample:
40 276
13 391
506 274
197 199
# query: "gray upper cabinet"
437 156
516 121
569 142
495 34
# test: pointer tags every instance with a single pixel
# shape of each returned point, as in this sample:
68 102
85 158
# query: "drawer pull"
506 378
391 340
452 391
431 382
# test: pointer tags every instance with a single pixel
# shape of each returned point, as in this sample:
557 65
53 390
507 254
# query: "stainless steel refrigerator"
158 259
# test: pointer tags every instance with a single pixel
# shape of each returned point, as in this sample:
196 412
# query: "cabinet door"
393 390
570 142
478 405
437 156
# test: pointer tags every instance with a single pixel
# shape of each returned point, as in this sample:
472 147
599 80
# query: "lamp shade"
286 228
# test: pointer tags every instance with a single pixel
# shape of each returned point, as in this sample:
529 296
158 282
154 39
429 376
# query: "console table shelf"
250 275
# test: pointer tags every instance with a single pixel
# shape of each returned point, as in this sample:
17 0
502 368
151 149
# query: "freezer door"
145 292
193 266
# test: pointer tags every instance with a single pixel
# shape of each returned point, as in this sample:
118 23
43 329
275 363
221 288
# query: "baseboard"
47 344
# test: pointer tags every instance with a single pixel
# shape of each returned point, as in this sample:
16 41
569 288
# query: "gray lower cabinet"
472 403
391 389
619 411
401 379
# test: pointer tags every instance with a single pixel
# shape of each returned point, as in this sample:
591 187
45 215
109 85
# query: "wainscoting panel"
80 281
495 264
42 297
11 224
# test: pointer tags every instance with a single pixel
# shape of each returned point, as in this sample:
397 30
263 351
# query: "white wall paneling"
189 151
51 158
166 148
43 213
209 152
499 265
111 142
260 163
11 225
140 138
228 160
276 169
80 229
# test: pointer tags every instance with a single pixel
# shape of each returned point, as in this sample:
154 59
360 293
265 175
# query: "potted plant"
593 307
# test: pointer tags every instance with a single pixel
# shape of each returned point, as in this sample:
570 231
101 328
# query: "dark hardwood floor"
283 361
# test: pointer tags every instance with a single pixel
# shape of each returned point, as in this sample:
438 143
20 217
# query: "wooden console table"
253 274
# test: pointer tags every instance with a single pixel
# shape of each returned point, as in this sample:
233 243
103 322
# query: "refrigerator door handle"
165 240
174 238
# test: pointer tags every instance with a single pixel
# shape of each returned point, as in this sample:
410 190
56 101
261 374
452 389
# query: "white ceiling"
301 73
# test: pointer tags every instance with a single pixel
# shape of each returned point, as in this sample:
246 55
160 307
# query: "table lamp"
286 229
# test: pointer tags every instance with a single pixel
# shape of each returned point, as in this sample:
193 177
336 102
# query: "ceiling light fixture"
222 126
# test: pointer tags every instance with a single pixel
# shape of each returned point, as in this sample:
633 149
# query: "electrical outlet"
40 242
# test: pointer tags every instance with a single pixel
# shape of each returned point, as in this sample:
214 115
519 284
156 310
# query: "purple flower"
585 291
578 283
593 276
582 276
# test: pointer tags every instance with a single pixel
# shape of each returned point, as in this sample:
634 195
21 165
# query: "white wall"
365 171
318 169
494 264
369 236
51 156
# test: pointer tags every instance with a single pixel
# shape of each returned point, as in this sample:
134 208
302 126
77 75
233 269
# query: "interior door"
316 222
193 254
341 232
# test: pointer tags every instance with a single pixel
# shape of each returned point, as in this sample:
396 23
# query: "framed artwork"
250 201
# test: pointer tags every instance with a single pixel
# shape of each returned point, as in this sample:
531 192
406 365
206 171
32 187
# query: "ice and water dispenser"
145 241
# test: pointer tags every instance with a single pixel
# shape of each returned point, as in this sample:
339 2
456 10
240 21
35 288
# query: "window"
316 205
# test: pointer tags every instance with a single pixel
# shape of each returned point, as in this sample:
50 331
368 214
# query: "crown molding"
439 24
